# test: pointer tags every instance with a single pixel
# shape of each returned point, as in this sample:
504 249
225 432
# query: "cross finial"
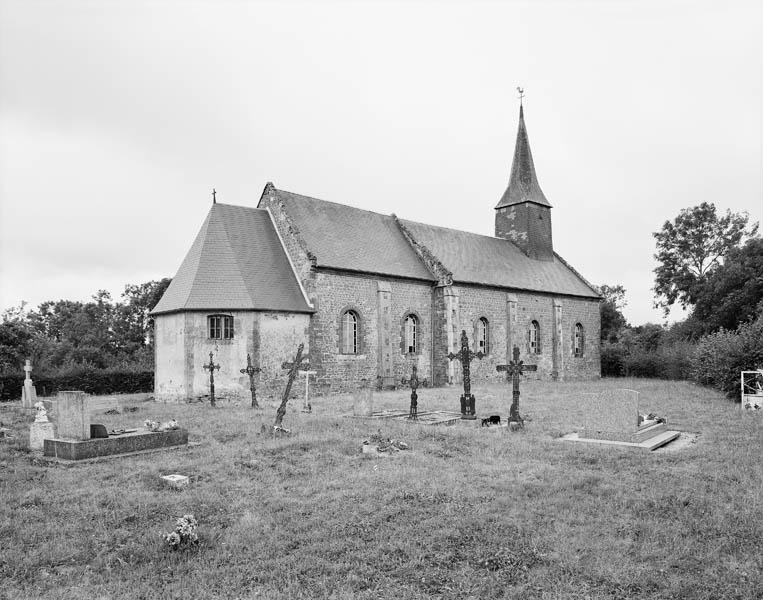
214 196
521 94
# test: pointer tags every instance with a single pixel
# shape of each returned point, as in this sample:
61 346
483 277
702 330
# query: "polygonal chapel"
371 294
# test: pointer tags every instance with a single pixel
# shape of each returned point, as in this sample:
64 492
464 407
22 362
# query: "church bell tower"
523 215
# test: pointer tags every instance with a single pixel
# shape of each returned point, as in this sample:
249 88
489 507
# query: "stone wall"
183 348
339 292
509 316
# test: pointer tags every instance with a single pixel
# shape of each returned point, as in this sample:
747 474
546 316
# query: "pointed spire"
523 183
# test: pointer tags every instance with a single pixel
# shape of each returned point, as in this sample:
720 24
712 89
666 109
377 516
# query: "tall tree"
691 247
134 325
732 293
610 309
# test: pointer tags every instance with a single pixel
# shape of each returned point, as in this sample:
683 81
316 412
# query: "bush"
86 378
720 357
612 359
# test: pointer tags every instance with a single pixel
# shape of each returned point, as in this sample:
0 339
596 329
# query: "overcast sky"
118 118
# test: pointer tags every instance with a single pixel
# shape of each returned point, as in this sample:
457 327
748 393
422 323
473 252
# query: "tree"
133 325
732 293
691 247
610 310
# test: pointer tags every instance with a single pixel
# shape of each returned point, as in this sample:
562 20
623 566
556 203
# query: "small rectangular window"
220 327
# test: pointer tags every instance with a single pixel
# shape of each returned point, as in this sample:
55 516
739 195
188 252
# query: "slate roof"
237 262
348 238
523 182
480 259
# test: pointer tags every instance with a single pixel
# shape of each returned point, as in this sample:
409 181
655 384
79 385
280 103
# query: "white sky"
118 118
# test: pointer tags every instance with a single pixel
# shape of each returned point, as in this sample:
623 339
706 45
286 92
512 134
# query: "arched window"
483 336
411 333
578 340
220 327
533 338
349 333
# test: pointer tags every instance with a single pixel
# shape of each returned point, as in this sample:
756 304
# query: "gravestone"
613 415
363 401
28 392
41 429
72 415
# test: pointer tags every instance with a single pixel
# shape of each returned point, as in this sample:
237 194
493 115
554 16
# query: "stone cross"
414 382
514 370
28 392
211 368
294 367
466 356
307 407
251 370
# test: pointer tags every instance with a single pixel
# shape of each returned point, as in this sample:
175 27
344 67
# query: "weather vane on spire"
521 94
214 196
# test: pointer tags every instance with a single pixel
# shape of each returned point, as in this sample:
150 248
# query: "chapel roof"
347 238
237 262
484 260
523 182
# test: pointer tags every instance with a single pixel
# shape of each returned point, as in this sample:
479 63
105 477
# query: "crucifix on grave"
414 382
514 370
294 367
306 406
466 356
28 392
211 368
251 370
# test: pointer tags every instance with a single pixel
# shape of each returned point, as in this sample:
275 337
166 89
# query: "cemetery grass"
465 513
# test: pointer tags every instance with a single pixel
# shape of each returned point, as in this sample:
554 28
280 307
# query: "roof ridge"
332 202
491 237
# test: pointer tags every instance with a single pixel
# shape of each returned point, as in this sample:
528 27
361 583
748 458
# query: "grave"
41 430
363 401
612 417
28 392
466 356
307 407
251 370
73 436
176 480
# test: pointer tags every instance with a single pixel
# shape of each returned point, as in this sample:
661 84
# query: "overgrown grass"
467 513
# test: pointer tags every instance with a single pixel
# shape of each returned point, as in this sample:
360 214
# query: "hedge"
722 356
86 379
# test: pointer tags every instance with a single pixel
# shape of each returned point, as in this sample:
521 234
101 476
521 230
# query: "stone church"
371 295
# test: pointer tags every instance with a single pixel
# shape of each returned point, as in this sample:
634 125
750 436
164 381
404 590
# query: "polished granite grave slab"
138 441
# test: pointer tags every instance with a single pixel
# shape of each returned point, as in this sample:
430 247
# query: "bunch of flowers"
184 534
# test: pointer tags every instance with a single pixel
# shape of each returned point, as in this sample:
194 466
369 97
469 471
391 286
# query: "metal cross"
294 367
414 382
251 370
521 94
214 196
211 368
514 370
466 356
